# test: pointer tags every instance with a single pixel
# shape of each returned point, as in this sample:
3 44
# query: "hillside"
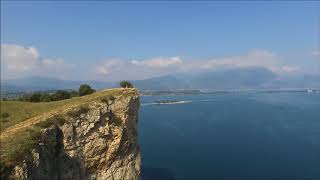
238 78
29 124
22 111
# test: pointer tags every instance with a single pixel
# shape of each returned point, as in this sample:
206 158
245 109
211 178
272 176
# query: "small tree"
85 89
35 97
126 84
60 95
74 93
5 115
45 97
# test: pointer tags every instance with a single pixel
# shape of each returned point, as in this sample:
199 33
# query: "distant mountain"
231 79
240 78
301 81
44 83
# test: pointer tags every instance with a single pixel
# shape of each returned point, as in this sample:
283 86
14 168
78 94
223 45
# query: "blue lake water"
243 136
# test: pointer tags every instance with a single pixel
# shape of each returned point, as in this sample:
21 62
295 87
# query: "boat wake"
178 102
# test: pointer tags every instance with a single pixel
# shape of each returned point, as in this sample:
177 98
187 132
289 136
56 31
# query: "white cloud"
19 61
286 69
259 58
160 62
106 67
146 68
18 58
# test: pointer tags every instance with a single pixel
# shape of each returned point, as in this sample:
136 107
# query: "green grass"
57 120
15 150
19 111
77 112
15 147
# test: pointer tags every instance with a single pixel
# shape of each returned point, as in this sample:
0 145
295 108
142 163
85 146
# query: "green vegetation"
74 93
85 89
35 97
55 120
15 147
76 113
20 111
126 84
45 98
5 115
106 99
58 95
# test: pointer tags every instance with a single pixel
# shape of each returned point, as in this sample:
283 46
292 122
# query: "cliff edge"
93 140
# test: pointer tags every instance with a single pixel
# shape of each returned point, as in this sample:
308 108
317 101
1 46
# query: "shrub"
35 97
45 98
107 98
126 84
5 115
54 120
60 95
78 112
5 170
24 145
85 89
23 98
74 94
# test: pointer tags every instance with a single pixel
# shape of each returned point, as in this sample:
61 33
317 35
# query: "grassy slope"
20 111
24 115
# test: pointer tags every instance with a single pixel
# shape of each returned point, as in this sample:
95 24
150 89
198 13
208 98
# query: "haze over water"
231 136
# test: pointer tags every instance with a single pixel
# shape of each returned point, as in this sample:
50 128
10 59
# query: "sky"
113 41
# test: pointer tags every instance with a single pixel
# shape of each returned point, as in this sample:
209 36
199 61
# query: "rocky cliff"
96 141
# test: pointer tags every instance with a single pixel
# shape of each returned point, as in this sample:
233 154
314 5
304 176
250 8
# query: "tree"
5 115
60 95
85 89
45 97
126 84
74 93
35 97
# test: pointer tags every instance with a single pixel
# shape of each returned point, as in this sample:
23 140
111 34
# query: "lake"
239 136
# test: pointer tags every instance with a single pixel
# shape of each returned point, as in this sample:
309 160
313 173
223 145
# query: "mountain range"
239 78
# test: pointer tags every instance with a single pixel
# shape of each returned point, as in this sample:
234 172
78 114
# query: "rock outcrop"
99 143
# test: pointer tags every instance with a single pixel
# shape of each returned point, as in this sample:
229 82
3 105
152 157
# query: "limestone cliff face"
98 144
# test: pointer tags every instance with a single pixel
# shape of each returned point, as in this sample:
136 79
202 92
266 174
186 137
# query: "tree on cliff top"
126 84
85 89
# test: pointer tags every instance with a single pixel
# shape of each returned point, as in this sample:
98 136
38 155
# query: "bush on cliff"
126 84
85 89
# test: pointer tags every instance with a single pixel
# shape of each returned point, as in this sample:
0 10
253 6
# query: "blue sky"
99 40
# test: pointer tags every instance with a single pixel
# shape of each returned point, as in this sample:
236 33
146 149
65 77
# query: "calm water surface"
231 136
